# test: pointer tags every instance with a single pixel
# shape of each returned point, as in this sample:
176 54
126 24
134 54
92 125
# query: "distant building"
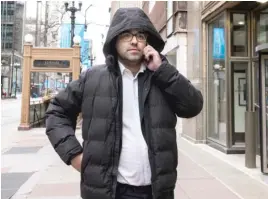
123 4
12 19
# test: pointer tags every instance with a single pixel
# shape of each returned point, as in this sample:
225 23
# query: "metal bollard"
250 139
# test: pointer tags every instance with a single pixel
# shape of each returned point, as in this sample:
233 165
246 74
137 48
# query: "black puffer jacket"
98 95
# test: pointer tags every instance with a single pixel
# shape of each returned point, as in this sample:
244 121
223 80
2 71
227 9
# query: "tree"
54 13
46 29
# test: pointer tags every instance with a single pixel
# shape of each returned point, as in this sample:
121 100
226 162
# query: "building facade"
123 4
170 19
12 18
234 35
220 47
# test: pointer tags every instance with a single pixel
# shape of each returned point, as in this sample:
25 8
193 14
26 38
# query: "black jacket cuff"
69 149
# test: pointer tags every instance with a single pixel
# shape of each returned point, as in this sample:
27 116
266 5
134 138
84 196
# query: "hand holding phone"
152 58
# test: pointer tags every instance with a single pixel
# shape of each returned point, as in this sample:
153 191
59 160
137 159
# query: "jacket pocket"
85 159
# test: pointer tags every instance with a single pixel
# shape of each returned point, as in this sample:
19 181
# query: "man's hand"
152 57
77 162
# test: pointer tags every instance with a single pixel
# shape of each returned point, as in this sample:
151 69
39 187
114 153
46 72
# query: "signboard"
65 40
51 63
218 43
85 54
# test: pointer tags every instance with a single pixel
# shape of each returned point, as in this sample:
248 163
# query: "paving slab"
11 182
53 190
23 150
238 182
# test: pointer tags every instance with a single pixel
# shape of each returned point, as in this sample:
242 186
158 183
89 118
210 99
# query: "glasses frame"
133 35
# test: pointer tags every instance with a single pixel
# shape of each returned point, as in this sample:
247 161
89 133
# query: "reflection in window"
262 27
239 39
216 82
47 85
266 111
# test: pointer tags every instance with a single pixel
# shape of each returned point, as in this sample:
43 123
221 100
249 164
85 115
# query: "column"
25 101
76 62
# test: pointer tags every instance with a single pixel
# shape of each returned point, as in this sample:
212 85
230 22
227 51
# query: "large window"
169 17
266 112
216 82
151 5
239 37
262 27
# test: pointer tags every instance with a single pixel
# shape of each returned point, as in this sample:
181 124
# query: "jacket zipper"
116 158
150 141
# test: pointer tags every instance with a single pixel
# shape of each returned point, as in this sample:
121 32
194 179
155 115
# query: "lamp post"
91 58
73 10
16 66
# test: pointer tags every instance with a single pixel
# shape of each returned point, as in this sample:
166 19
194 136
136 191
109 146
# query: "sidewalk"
31 169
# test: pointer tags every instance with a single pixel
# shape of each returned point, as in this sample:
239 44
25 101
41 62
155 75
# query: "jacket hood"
131 18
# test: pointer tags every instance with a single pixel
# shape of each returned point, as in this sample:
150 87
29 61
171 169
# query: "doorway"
257 105
264 112
239 101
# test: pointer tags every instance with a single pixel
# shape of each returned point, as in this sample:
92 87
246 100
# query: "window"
10 12
151 5
262 27
8 45
216 82
9 34
239 36
181 20
169 17
169 9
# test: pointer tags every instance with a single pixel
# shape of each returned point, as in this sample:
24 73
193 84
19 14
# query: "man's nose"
134 40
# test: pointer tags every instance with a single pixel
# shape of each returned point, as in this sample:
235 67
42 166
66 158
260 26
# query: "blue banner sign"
218 43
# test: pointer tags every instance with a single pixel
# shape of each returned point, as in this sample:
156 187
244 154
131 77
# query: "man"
129 107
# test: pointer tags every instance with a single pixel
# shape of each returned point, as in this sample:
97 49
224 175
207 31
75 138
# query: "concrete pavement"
10 118
30 168
40 174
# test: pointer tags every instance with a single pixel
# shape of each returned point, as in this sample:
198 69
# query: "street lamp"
16 65
73 10
91 57
86 16
76 39
28 38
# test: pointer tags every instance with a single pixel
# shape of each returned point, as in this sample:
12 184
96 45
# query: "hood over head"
131 18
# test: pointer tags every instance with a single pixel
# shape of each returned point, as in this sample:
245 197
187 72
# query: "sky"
98 13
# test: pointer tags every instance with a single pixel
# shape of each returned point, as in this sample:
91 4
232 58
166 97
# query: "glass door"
239 88
256 90
264 113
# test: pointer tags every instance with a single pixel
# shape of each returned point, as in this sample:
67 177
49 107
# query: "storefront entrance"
239 98
263 113
236 79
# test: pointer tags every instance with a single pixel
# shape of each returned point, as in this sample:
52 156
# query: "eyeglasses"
128 36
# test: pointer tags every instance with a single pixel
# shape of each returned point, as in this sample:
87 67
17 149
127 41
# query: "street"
31 169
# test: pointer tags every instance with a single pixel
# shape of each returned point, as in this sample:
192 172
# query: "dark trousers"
124 191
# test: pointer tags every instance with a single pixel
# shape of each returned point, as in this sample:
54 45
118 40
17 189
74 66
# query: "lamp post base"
24 127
